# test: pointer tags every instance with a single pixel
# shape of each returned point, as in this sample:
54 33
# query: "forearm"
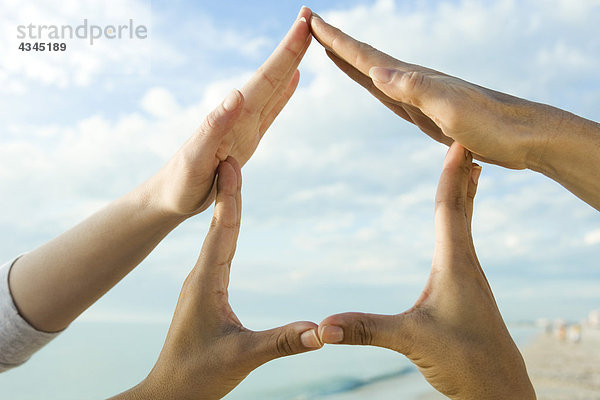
56 282
569 152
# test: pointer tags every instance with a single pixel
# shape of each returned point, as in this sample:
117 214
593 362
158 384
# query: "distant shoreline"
562 370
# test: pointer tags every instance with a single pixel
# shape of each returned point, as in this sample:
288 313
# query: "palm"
454 333
212 350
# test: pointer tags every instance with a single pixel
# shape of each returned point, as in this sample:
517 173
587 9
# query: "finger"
451 200
238 200
218 123
406 111
285 83
268 121
358 54
416 87
394 332
471 191
423 90
366 82
217 251
272 77
294 338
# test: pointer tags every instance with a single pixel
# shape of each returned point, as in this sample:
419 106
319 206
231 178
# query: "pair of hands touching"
454 333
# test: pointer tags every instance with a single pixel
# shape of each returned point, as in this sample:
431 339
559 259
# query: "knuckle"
293 53
284 346
272 81
218 222
471 193
335 41
413 81
211 121
208 125
363 53
362 332
453 203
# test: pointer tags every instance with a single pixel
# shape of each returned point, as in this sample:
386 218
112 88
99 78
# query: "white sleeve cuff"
18 339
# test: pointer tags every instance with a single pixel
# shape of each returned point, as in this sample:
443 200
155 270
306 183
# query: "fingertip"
310 339
315 21
226 178
294 338
475 173
233 100
234 163
237 168
331 334
296 77
331 329
304 16
314 17
307 335
457 155
305 13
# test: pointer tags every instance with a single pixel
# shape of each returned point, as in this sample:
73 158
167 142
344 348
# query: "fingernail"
310 340
317 16
332 334
232 101
475 173
382 75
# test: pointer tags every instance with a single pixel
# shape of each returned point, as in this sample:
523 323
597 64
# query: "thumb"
394 332
294 338
452 201
220 120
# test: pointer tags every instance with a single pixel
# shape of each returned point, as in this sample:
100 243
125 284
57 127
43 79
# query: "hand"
496 127
208 351
185 185
454 333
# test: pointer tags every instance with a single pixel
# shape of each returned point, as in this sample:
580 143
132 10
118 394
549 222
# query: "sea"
96 360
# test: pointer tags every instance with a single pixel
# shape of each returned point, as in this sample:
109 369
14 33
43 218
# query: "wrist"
568 152
175 195
535 120
551 130
149 199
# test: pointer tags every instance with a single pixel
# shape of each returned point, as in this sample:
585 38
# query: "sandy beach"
559 370
562 370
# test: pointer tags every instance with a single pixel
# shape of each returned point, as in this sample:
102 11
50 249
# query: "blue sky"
338 199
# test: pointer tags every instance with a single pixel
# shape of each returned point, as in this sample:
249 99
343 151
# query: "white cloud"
159 102
81 63
84 65
592 238
340 190
530 48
